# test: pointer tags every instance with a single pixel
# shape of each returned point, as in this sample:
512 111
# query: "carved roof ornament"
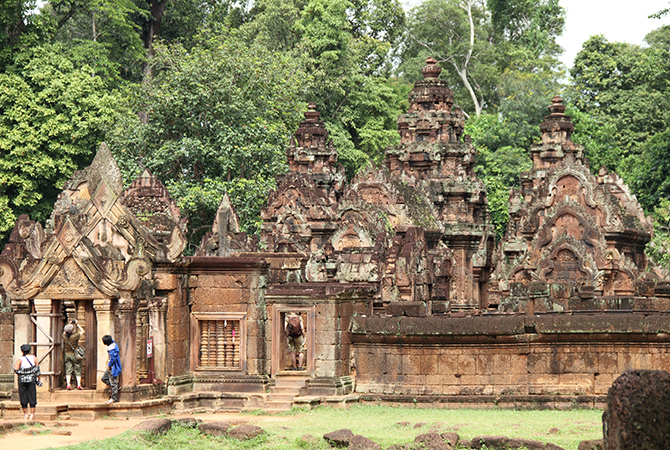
431 69
92 244
149 201
225 238
556 142
311 151
432 144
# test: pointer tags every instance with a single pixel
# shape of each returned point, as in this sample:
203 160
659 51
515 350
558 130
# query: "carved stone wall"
395 272
6 342
228 322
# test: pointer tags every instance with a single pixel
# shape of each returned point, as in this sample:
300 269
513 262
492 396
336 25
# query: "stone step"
76 396
281 397
12 410
277 406
286 389
288 374
290 381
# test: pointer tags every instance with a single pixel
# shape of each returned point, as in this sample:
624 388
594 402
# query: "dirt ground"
85 430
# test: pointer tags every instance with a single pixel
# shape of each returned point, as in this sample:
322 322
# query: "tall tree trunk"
157 9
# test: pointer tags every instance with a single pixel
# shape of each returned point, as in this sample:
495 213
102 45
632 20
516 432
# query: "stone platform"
78 407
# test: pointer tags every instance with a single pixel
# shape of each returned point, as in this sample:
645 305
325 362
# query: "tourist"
72 360
111 375
295 336
28 371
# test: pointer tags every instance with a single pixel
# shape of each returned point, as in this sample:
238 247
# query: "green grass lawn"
379 423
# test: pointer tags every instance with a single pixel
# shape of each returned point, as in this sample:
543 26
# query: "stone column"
44 335
105 318
22 328
157 315
461 286
127 340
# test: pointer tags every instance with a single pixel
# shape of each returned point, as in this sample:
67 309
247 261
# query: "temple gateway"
403 291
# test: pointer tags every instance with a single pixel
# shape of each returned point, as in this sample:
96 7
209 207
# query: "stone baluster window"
220 342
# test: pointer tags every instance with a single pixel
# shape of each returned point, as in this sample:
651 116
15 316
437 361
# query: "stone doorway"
84 312
281 359
45 337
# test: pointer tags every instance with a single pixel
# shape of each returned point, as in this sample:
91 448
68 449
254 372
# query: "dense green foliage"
53 114
218 119
206 93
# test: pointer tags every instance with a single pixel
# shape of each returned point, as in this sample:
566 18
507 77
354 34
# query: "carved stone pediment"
568 227
70 282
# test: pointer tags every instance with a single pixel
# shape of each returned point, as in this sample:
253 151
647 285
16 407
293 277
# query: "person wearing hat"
29 376
70 343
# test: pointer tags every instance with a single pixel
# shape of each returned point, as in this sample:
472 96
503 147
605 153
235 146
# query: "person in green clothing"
70 343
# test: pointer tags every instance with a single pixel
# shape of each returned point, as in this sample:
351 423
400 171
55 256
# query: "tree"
625 87
104 32
220 116
457 34
17 28
345 46
53 115
477 46
531 24
652 181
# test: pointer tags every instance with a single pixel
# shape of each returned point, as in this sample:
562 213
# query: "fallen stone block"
359 442
526 443
432 441
451 438
637 415
58 432
551 446
188 422
215 428
245 432
491 442
154 426
339 438
595 444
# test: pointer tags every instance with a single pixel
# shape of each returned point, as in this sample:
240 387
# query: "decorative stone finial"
431 70
312 113
557 107
557 121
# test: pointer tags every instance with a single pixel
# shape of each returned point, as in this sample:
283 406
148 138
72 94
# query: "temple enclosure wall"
512 355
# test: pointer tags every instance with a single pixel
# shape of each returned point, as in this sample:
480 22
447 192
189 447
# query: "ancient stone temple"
575 241
93 262
402 291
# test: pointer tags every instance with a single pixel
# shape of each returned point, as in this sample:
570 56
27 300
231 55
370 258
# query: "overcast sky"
618 20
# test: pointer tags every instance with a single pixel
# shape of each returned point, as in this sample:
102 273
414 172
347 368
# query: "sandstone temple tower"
435 153
574 240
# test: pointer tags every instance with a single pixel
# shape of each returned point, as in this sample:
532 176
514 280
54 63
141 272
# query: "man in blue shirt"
111 375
